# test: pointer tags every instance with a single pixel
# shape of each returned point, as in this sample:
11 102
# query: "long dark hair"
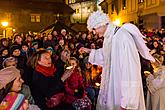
6 90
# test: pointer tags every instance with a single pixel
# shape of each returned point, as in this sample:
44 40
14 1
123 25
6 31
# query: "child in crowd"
74 87
10 86
11 61
156 87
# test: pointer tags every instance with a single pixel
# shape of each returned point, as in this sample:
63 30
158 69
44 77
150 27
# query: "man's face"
99 30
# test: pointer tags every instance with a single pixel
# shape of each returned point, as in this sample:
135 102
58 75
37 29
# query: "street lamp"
4 24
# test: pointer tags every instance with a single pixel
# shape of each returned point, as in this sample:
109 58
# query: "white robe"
121 83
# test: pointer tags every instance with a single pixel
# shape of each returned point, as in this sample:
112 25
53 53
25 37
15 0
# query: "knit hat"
25 44
34 43
2 49
79 45
97 19
9 60
63 30
50 48
14 47
7 75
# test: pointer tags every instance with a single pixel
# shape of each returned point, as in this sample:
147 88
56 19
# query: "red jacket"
74 82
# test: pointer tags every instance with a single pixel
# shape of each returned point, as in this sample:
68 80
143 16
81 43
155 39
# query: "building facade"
148 14
82 9
31 15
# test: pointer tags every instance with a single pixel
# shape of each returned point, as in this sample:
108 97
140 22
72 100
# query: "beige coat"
156 93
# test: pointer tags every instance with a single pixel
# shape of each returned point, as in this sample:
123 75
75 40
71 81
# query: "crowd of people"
52 72
43 60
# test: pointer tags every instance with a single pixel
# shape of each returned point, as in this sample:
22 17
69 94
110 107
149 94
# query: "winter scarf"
46 71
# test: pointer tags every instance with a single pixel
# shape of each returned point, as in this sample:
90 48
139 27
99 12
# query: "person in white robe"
121 83
156 88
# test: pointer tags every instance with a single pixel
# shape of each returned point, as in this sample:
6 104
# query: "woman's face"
5 43
49 37
55 33
24 48
61 42
65 56
29 38
13 63
88 65
155 44
5 52
73 63
45 60
16 52
18 39
17 85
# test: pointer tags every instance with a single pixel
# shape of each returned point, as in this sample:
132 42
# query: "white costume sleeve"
96 57
159 82
130 75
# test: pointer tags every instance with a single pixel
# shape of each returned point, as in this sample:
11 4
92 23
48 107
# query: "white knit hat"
97 19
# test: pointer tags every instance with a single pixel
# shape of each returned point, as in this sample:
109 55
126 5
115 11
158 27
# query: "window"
71 1
35 17
77 11
140 1
123 4
87 9
113 8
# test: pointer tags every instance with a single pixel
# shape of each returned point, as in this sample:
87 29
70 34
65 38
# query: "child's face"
17 85
13 63
24 48
88 65
16 52
5 52
73 63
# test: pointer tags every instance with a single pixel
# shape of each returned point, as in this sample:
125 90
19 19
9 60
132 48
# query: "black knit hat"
14 47
2 49
24 44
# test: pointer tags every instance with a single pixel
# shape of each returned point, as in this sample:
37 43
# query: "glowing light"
147 73
97 84
14 30
117 22
4 24
70 67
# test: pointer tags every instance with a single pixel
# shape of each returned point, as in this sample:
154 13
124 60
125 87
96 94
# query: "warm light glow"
117 22
14 30
97 84
4 24
89 10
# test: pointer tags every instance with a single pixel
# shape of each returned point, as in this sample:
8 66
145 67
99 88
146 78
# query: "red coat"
74 82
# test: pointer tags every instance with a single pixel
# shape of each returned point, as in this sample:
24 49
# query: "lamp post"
4 24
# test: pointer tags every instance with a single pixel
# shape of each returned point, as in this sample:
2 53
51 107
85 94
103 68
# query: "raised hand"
84 50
